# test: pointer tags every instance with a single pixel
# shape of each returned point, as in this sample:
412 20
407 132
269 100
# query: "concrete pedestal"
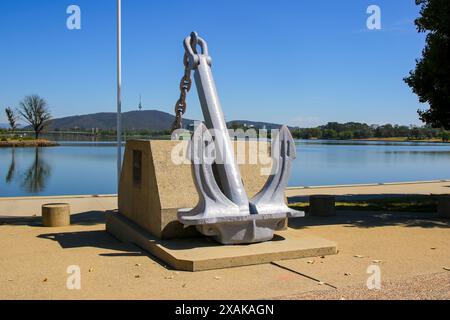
56 215
322 205
153 187
444 206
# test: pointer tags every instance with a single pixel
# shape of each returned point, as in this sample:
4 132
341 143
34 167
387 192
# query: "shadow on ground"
88 218
367 219
99 239
81 239
376 210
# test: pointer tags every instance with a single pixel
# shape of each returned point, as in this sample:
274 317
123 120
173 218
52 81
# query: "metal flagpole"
119 88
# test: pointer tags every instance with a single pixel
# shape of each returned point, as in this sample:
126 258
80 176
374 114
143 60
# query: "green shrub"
445 136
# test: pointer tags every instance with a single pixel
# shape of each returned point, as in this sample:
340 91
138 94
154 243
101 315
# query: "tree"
385 131
401 131
34 110
415 134
12 119
445 136
329 134
346 135
431 78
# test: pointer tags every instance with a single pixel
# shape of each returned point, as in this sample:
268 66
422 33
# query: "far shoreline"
398 139
37 143
401 139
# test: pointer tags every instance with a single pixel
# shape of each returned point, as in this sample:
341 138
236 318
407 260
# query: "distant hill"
137 120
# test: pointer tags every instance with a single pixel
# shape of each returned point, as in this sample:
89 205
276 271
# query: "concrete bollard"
56 215
322 205
444 206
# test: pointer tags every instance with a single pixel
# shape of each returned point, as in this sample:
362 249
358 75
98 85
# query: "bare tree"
34 110
12 119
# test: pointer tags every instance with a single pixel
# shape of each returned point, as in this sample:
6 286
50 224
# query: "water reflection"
34 178
36 175
12 166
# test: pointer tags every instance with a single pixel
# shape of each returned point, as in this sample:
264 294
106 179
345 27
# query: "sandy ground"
411 251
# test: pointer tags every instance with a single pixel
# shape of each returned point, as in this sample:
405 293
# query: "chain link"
185 87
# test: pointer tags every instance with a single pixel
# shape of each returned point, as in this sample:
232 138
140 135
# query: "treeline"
126 132
355 130
330 131
95 132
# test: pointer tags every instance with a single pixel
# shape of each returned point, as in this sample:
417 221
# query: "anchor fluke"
213 204
271 198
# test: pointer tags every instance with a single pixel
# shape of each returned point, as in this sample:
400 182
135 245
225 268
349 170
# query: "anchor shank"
229 174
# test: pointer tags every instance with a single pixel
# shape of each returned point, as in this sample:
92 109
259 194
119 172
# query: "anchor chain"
185 87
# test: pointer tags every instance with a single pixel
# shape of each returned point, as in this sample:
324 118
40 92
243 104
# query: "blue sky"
295 62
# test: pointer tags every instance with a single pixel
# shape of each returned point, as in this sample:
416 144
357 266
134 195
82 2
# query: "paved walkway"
374 190
30 206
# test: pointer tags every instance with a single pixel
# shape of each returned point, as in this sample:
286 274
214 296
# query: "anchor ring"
190 45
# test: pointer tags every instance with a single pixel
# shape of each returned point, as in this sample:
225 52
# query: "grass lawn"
400 204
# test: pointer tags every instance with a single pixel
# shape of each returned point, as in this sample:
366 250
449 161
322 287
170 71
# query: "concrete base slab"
198 254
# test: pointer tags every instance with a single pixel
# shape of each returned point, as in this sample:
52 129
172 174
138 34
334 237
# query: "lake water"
90 168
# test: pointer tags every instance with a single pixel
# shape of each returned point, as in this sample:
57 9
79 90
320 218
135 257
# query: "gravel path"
425 287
